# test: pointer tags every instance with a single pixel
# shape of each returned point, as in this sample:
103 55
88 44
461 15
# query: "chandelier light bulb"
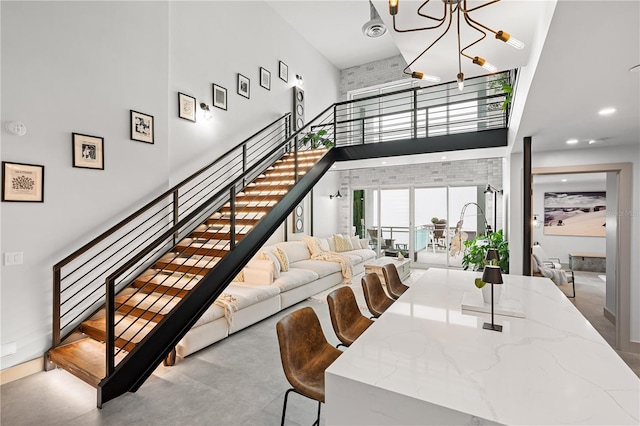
426 77
484 64
393 7
460 77
511 41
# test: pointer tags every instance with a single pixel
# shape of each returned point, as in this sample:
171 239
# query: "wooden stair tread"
151 306
84 358
197 265
178 281
129 330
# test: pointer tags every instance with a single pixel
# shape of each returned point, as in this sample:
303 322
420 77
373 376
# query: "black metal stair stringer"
131 373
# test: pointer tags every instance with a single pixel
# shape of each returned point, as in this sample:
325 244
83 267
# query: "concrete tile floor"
238 381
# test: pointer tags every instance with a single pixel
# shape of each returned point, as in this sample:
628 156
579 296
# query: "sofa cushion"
248 294
364 254
213 313
294 278
342 243
295 250
254 276
320 267
354 258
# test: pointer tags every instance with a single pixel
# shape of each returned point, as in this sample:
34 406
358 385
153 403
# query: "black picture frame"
244 86
283 71
186 107
219 97
265 78
22 183
142 129
88 151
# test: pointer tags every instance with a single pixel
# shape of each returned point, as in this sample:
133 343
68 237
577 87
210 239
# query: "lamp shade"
492 255
492 274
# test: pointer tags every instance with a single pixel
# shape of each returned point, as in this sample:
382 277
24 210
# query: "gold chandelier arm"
465 10
484 35
429 47
468 18
440 20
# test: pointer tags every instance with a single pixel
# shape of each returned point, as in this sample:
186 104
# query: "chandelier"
451 9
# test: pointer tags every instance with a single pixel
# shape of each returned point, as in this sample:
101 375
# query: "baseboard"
609 315
21 370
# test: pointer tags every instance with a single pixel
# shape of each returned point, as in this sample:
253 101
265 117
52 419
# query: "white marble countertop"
550 367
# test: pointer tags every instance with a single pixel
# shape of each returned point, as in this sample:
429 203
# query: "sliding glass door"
418 222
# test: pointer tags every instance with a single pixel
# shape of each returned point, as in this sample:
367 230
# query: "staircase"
155 293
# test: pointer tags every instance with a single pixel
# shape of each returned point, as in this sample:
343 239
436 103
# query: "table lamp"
492 275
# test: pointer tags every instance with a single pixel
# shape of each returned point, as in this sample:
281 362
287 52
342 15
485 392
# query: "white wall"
80 67
623 154
211 42
559 245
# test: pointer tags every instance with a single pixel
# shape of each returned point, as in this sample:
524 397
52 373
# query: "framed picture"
575 213
283 72
219 97
22 182
265 78
243 86
141 127
88 151
187 107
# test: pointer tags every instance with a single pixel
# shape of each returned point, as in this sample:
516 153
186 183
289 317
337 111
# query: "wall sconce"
536 221
300 81
206 112
336 195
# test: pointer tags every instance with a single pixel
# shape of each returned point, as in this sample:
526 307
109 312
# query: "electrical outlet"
13 258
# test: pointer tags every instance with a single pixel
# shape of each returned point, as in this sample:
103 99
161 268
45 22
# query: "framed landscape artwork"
22 182
141 127
575 213
88 151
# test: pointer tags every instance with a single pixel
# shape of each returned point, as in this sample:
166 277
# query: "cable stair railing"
124 300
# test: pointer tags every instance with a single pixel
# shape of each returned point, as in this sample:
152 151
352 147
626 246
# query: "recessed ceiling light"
563 180
334 166
607 111
592 141
635 68
572 141
444 157
384 162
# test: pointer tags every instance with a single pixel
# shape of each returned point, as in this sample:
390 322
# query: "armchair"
550 267
386 243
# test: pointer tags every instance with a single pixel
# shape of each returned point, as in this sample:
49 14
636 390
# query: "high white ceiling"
583 67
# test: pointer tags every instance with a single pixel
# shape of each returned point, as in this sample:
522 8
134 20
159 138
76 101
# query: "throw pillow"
282 258
267 255
342 243
239 278
355 243
364 243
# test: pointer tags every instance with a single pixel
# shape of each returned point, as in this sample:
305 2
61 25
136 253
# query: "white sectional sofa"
264 288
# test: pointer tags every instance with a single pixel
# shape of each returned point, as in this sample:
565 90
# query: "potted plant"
502 85
317 140
434 220
475 251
